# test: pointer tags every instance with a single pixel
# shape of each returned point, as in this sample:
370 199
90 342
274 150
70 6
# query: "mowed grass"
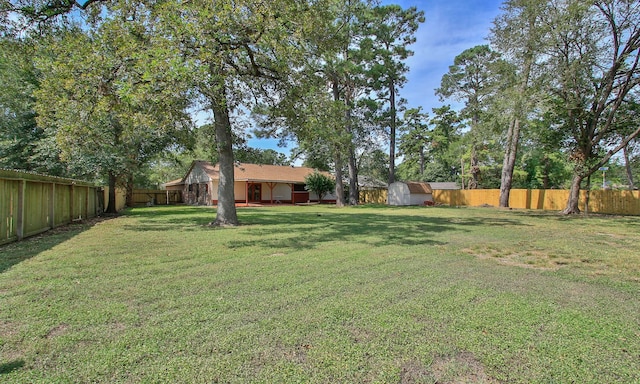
325 295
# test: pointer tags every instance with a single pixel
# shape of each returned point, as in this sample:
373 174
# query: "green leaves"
320 184
108 113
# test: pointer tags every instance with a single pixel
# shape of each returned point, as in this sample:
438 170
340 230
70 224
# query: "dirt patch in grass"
413 372
524 259
58 330
460 368
7 329
79 224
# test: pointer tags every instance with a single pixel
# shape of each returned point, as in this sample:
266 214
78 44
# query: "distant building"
253 183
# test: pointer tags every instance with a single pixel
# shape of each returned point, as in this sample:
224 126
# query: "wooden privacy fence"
144 196
31 204
600 201
156 196
373 196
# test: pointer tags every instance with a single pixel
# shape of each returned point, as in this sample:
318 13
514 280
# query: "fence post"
22 187
71 203
86 205
52 206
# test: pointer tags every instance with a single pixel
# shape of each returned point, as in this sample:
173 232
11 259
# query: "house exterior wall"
197 175
281 192
197 189
197 193
239 190
214 191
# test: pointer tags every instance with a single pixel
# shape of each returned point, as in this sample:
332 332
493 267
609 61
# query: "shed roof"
418 188
259 172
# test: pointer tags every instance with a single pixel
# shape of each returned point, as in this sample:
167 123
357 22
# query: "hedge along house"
409 193
253 183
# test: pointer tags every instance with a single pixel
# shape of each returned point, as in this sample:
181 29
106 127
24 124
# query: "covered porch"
259 192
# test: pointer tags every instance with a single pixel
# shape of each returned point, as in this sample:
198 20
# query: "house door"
255 193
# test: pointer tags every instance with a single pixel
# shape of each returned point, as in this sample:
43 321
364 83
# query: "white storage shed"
409 193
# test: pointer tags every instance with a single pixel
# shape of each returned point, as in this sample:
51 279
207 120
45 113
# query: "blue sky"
451 26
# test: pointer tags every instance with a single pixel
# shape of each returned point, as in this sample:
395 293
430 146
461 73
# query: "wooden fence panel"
62 204
36 208
157 196
80 201
550 199
121 198
614 202
375 196
608 201
31 204
144 196
8 210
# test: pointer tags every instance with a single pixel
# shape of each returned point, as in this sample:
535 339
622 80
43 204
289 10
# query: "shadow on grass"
614 220
308 229
17 252
166 210
293 230
6 368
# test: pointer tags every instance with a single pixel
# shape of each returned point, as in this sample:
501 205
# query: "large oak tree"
593 52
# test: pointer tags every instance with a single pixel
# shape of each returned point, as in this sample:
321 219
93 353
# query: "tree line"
108 90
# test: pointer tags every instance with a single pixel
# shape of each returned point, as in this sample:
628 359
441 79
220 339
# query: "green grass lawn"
319 294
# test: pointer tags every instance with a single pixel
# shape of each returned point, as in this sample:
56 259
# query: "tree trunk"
627 166
392 132
422 162
475 169
339 183
588 196
513 133
353 178
111 206
546 177
226 213
574 196
353 164
129 199
508 165
462 173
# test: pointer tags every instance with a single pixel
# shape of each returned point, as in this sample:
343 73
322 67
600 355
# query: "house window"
299 188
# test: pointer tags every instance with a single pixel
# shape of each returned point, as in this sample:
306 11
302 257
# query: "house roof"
259 172
418 188
367 182
444 185
173 182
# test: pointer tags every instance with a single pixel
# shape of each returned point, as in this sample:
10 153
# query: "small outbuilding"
409 193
